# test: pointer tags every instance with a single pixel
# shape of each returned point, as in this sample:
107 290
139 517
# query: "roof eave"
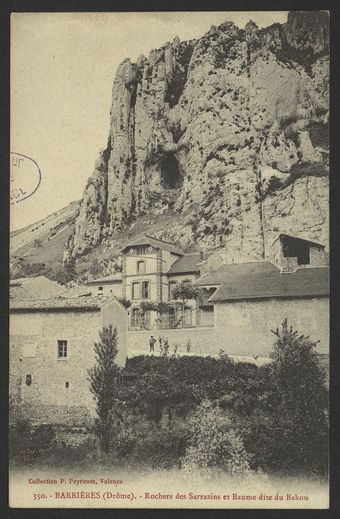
282 296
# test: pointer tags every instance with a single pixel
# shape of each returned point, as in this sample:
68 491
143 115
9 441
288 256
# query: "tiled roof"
227 272
148 240
188 263
37 287
304 282
60 304
114 278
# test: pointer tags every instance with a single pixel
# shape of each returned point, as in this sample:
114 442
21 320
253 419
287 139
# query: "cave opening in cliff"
171 177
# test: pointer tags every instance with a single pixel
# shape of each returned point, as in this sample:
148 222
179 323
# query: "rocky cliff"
230 131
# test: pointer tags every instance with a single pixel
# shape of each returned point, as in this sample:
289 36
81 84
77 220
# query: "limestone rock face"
229 130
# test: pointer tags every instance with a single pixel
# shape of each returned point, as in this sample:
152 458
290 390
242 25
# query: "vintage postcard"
169 289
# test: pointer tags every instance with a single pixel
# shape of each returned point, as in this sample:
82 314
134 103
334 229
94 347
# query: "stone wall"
202 339
59 390
243 329
246 326
47 398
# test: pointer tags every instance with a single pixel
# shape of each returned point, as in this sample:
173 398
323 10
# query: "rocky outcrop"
230 130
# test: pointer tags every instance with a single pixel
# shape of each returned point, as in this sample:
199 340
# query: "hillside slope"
45 240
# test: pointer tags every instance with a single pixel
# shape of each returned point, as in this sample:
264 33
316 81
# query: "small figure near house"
160 340
152 343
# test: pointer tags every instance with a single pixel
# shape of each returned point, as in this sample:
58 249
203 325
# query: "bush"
27 444
214 444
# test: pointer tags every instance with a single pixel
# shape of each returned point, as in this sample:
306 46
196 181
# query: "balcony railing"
192 318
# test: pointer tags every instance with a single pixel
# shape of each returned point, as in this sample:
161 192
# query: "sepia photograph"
169 260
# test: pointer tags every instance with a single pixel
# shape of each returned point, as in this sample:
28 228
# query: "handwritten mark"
25 177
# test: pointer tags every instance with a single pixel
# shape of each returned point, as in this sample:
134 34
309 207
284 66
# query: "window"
186 281
135 317
172 286
28 380
141 267
135 291
62 349
145 290
100 288
67 384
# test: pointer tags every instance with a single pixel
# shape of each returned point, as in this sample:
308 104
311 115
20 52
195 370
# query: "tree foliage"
186 291
213 443
300 382
103 382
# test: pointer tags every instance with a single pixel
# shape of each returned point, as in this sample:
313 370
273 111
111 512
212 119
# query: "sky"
62 71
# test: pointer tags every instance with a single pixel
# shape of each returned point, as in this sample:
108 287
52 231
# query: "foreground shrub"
214 444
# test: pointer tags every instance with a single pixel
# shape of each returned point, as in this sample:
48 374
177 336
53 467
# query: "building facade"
52 339
152 269
51 349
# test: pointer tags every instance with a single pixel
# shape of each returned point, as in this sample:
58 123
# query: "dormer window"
141 267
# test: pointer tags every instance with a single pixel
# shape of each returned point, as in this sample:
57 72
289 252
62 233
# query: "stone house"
51 349
248 301
290 252
151 270
241 303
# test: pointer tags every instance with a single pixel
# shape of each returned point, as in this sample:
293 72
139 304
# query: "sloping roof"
304 282
38 287
282 235
114 278
227 272
60 304
188 263
155 242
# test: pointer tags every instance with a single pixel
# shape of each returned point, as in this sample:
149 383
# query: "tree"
185 292
300 381
103 382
